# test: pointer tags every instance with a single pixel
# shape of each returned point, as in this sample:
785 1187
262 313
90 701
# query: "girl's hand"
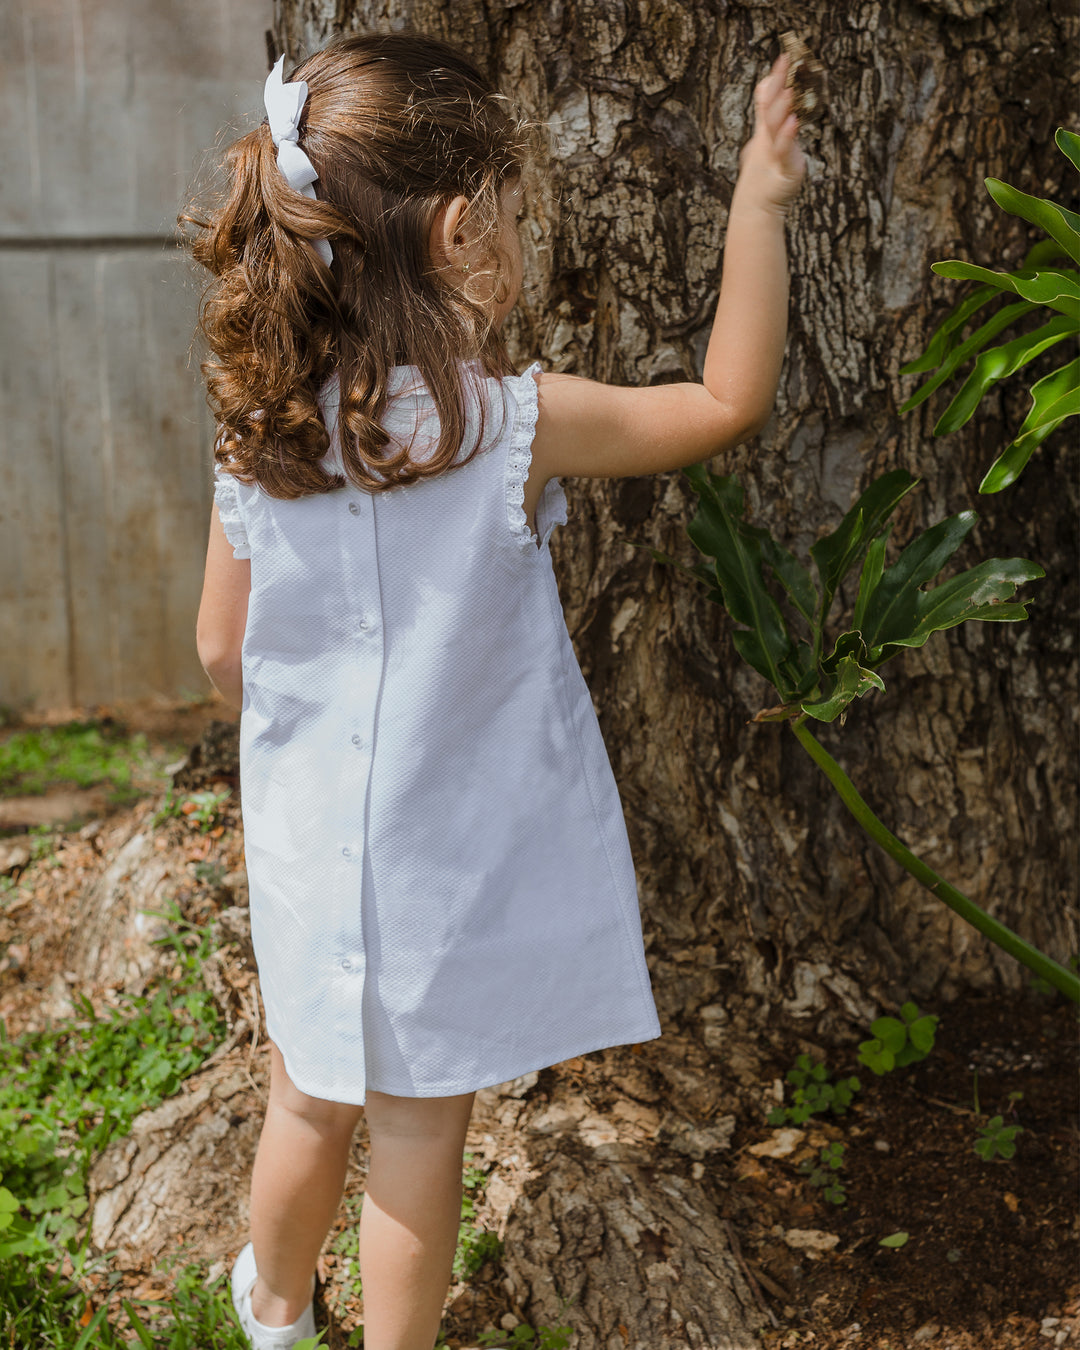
771 165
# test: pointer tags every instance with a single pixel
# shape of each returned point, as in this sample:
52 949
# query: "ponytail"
395 125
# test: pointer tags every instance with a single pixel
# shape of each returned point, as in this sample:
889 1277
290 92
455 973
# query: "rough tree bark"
760 898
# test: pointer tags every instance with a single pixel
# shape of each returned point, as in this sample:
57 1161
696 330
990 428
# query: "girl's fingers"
767 89
774 112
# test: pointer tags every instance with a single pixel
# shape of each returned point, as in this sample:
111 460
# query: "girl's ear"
448 242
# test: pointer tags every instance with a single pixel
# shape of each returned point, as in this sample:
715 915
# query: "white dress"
442 893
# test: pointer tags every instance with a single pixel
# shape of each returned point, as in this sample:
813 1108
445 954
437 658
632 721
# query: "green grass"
83 754
66 1092
42 1309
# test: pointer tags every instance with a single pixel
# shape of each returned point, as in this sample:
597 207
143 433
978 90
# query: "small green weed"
525 1337
897 1042
204 808
814 1094
210 874
820 1174
345 1246
475 1245
996 1139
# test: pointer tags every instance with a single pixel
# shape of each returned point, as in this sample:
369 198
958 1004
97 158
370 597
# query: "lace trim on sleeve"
551 509
229 512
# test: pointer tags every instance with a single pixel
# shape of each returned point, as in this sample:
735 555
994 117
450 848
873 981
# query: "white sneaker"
262 1337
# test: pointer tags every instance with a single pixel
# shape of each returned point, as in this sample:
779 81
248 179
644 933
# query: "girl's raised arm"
596 430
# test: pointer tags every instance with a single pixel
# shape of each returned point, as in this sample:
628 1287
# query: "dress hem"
451 1090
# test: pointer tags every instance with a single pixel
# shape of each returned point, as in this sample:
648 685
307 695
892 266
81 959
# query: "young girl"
442 894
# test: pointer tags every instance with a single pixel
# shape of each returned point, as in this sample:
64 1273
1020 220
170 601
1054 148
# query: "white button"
356 739
346 852
346 964
364 625
354 507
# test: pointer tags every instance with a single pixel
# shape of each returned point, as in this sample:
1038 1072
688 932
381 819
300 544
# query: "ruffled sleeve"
229 511
551 508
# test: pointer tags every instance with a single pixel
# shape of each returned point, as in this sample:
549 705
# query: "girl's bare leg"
295 1192
410 1216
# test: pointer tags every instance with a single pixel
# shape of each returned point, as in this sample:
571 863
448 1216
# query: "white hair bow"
284 104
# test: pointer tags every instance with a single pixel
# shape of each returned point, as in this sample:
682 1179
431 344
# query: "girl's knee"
430 1119
338 1118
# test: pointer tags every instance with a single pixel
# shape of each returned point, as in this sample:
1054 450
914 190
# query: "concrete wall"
109 109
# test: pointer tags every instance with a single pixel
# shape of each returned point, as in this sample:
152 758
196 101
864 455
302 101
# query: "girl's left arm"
219 632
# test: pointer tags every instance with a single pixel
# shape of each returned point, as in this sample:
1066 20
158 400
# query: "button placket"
362 621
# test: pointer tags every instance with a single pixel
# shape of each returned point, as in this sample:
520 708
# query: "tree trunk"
760 897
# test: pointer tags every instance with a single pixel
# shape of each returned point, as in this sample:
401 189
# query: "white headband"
284 104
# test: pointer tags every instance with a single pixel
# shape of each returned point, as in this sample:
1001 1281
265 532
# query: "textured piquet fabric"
442 892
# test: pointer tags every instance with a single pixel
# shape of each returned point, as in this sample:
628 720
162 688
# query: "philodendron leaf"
893 608
1069 144
1058 223
901 614
949 332
872 571
791 574
996 364
841 550
980 593
1053 398
737 559
850 681
1055 287
1005 316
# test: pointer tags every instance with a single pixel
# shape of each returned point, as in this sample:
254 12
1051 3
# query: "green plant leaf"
876 1057
141 1331
996 364
1048 394
86 1339
795 579
872 571
1053 398
1054 287
949 331
849 644
838 552
1069 144
894 1240
1038 211
765 643
850 682
1005 316
894 606
979 594
890 1032
921 1033
1010 463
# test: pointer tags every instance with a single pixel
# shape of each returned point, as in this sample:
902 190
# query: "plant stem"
1063 980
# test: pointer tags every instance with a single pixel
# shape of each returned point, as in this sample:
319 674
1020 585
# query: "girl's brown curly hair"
396 125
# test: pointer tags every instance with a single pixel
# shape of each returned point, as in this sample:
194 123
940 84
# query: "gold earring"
465 268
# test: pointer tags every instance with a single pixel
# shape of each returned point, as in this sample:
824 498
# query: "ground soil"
991 1259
